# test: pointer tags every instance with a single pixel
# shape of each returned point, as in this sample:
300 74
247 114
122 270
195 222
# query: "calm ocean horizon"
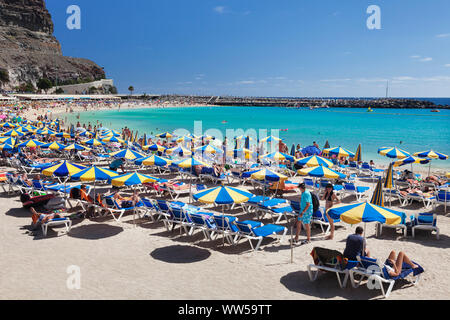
412 130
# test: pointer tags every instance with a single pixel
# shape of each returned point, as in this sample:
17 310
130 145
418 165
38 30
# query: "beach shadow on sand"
326 287
19 213
95 231
180 254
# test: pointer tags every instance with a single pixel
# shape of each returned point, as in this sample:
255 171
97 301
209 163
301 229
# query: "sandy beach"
142 260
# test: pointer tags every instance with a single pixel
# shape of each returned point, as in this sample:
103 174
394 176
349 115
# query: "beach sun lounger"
253 231
56 222
377 275
327 260
427 200
359 191
424 221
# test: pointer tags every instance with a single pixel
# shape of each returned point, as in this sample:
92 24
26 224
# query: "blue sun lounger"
252 230
358 191
377 274
424 221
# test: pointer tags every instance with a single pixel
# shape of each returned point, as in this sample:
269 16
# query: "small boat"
224 121
435 110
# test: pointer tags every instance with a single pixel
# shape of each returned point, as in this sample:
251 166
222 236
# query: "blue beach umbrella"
432 155
365 212
311 150
321 172
127 154
223 195
132 179
63 169
377 197
153 161
94 173
314 161
411 160
393 152
339 152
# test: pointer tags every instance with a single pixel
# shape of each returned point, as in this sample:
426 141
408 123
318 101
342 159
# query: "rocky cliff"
29 51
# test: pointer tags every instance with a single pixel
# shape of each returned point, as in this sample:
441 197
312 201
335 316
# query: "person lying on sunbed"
435 180
426 192
394 264
25 180
127 202
175 185
41 218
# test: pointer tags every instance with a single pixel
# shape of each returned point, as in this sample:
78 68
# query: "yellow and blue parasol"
314 161
377 197
131 179
154 147
53 146
431 154
30 144
321 172
63 169
388 182
127 154
94 173
165 135
365 212
180 151
153 161
393 152
268 175
6 147
358 154
209 149
77 147
277 156
270 139
13 133
113 139
411 160
223 195
93 142
8 140
339 152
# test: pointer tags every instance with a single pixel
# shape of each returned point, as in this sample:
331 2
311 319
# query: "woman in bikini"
330 200
394 264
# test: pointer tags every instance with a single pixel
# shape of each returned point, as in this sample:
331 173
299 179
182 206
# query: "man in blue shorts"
306 212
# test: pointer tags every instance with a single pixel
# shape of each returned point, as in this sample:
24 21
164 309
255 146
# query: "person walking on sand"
330 200
306 212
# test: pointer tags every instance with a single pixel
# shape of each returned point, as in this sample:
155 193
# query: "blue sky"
264 47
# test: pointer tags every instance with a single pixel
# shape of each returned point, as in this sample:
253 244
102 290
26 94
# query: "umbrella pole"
292 247
223 221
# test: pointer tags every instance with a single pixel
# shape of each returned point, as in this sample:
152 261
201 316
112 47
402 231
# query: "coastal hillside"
29 51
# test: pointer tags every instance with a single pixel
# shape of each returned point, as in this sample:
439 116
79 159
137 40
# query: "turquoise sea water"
412 130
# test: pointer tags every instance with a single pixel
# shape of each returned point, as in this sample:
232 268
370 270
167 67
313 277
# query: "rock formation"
29 51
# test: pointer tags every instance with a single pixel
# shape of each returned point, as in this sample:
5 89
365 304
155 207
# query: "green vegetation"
131 89
44 84
26 87
4 77
59 91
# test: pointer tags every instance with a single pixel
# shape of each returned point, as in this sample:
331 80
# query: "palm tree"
131 89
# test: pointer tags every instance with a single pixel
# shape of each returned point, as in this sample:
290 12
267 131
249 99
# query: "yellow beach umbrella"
314 161
321 172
